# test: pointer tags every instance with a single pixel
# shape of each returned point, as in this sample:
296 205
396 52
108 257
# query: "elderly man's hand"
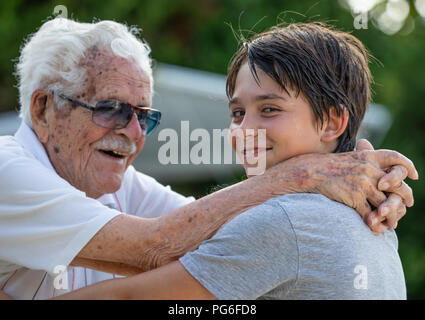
399 195
358 179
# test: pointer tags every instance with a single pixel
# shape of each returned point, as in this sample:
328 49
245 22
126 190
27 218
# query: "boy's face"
289 121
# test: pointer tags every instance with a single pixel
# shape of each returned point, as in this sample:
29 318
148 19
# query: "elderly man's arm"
351 178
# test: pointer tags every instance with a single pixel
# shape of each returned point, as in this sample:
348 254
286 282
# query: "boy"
308 87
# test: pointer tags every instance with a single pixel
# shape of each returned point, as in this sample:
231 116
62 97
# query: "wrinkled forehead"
110 76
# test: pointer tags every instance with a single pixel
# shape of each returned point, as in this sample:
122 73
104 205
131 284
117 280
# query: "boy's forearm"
107 266
4 296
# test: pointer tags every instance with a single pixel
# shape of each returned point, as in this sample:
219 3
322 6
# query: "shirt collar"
29 140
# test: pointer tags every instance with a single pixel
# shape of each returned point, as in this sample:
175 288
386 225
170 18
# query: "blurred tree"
197 34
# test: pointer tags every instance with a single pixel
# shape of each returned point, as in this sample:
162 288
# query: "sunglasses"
112 114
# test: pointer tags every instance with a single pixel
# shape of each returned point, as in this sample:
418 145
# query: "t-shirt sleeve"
44 221
249 256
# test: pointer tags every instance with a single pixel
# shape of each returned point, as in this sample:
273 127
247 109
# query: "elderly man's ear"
41 102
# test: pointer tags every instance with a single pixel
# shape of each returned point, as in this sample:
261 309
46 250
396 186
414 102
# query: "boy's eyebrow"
267 96
234 101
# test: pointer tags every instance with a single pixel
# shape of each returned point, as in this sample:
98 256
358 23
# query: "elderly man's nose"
133 130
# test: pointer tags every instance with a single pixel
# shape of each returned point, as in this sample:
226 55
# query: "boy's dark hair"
329 67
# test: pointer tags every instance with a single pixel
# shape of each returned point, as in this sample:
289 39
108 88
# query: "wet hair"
329 67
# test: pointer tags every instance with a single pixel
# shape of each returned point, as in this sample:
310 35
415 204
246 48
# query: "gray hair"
50 57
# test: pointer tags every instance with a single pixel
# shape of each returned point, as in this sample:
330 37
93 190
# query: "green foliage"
200 34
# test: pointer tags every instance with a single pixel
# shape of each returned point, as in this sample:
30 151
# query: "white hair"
51 58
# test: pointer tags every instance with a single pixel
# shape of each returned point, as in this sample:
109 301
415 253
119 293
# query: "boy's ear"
41 100
335 125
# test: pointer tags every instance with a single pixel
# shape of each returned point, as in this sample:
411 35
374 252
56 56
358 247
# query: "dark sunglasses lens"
149 120
112 114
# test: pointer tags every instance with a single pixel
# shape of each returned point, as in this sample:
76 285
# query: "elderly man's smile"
113 155
117 149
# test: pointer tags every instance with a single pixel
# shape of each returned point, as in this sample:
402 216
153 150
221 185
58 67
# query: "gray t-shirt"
299 246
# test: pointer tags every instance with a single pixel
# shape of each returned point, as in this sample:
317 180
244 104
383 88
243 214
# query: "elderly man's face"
79 150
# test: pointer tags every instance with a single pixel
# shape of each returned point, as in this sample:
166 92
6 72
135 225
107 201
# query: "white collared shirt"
45 222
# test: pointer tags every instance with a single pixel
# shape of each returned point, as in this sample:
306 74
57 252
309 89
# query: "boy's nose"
249 126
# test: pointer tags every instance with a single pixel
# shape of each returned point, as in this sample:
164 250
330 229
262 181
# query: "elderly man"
66 175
